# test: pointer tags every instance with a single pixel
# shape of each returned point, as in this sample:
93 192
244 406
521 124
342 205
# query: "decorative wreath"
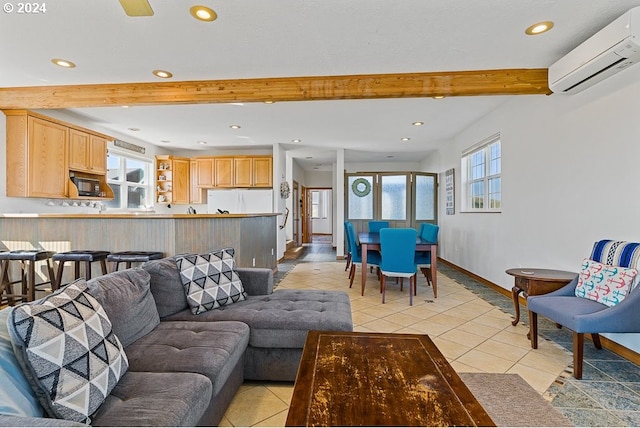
361 187
284 190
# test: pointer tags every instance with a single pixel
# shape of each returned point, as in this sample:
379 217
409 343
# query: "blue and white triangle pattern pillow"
68 351
210 280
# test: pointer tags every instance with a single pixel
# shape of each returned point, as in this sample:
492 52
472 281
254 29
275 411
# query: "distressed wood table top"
373 379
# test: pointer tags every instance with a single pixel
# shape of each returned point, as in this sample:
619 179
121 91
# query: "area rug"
512 402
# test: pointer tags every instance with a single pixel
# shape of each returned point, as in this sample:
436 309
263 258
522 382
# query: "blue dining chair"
397 250
581 315
376 225
373 256
428 232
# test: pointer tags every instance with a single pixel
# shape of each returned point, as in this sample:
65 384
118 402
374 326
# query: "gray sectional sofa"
184 369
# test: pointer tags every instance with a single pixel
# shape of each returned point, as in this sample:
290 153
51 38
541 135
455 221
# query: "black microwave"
87 186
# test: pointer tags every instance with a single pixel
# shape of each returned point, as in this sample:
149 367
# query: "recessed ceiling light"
165 141
134 129
163 74
296 141
406 139
539 28
203 13
438 97
63 63
202 143
125 106
309 157
418 123
234 126
389 157
269 102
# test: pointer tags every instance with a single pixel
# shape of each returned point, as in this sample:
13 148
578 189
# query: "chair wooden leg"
58 280
533 329
412 284
578 354
383 286
596 340
352 274
348 262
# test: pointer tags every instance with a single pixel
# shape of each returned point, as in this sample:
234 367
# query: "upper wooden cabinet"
87 152
204 173
172 180
42 152
36 156
262 172
195 192
223 171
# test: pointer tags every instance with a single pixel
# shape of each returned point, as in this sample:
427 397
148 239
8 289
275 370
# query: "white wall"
324 225
569 178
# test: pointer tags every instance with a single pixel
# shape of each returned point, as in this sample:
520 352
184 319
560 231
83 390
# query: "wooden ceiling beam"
366 86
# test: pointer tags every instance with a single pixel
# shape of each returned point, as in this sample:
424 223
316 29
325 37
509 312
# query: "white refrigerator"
240 201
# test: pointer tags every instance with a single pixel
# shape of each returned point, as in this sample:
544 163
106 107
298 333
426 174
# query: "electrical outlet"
254 262
272 251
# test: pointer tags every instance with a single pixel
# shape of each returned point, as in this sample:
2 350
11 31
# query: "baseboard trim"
608 344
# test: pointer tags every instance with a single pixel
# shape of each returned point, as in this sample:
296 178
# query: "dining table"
371 241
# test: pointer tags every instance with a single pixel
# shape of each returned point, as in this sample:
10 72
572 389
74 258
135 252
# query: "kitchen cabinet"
43 153
223 171
172 180
252 171
262 173
204 175
195 192
37 161
87 152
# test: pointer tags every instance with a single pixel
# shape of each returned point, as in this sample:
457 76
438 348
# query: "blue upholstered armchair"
583 315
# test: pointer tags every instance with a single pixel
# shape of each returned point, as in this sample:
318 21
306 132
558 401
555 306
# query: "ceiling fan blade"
137 7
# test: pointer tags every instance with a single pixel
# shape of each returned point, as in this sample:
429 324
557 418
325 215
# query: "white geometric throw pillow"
68 352
210 280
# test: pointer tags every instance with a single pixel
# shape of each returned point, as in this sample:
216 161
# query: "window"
130 179
481 168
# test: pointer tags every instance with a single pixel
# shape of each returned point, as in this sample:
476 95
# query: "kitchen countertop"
135 215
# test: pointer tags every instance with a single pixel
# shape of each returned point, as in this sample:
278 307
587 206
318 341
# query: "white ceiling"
282 38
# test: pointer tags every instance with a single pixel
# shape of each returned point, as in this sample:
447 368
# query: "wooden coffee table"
373 379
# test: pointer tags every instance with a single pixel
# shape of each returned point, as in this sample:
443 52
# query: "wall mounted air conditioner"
610 50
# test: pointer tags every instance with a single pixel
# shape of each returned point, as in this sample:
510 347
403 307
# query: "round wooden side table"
533 281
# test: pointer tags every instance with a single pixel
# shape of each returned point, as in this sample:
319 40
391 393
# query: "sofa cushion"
605 284
166 286
16 395
283 318
210 280
211 349
68 351
156 399
127 300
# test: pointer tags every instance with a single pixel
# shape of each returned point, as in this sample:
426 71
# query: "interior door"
296 214
307 224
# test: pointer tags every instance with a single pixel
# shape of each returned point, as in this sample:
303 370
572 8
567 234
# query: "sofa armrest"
30 421
256 281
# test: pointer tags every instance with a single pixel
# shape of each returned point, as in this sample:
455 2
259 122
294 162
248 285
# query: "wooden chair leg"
578 354
596 340
352 274
533 329
383 286
58 280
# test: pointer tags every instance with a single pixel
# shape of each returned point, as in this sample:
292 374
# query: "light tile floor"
471 325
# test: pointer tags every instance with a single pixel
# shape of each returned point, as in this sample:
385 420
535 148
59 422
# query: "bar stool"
129 257
27 259
77 257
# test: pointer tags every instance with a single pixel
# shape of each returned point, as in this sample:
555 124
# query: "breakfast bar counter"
253 236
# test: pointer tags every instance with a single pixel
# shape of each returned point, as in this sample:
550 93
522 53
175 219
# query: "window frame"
469 180
149 203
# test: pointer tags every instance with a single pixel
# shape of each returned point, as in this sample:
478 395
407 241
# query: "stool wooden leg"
76 267
4 282
87 269
31 282
103 265
58 281
128 265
